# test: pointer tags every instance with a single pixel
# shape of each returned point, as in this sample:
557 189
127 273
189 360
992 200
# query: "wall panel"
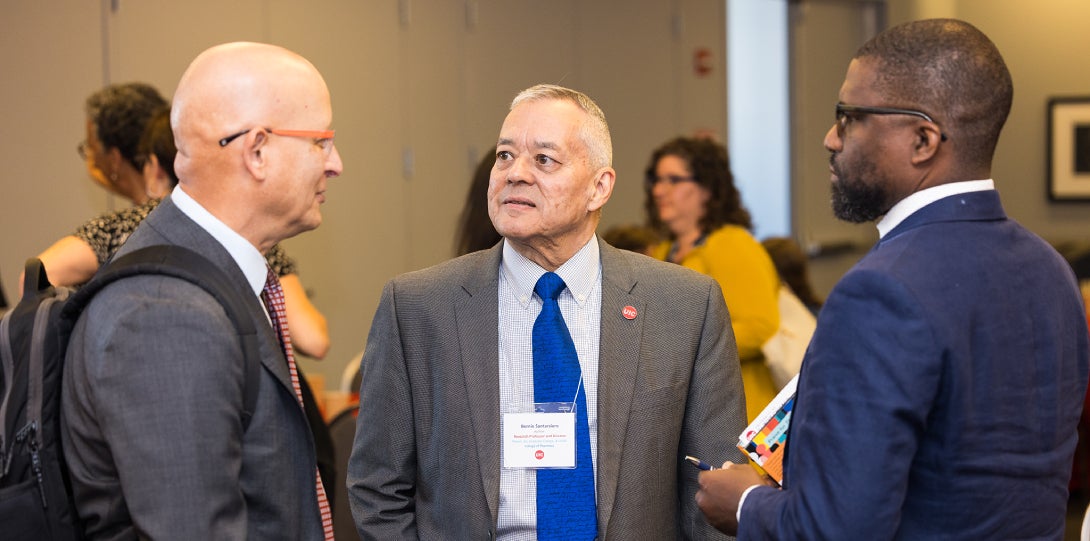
50 54
363 239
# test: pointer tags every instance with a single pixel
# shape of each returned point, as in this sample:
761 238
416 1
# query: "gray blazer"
152 402
426 459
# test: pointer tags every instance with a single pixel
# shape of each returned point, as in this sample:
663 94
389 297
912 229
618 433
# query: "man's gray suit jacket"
152 411
426 459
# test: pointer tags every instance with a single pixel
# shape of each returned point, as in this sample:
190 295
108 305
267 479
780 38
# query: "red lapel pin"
629 312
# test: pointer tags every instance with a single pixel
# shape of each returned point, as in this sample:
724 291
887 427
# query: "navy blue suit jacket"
940 394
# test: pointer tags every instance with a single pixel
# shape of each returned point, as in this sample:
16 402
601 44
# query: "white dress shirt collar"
580 273
909 205
246 256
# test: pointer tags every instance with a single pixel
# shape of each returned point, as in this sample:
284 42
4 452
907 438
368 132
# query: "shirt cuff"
742 501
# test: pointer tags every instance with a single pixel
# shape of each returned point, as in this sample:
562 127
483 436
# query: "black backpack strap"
37 364
183 263
35 281
35 284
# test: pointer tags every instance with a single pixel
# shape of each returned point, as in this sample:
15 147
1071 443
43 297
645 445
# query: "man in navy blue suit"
940 394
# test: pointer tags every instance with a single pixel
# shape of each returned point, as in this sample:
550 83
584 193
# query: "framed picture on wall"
1069 149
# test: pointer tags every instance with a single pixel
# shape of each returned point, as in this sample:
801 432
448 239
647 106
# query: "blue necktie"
565 497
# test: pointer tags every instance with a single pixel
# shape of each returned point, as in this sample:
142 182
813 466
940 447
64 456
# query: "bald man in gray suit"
153 425
448 358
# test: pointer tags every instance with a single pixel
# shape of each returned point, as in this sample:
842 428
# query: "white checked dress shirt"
581 306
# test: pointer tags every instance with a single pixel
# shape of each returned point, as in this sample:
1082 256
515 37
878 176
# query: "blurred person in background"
791 264
692 200
74 259
475 229
116 117
634 238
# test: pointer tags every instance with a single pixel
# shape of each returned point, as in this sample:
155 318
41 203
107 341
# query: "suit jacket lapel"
478 324
618 362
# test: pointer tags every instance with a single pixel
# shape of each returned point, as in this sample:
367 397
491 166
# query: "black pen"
699 463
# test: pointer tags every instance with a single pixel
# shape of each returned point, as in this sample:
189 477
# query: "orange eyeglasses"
326 135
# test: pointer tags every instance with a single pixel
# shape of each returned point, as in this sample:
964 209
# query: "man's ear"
928 139
255 153
602 188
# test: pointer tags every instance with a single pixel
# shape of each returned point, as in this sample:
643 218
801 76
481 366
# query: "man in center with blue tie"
549 387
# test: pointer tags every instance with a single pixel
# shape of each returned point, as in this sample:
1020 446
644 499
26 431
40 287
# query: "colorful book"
765 438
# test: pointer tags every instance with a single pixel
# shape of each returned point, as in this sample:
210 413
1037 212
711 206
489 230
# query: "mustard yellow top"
750 286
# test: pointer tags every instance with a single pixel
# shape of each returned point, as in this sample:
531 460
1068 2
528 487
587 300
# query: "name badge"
543 439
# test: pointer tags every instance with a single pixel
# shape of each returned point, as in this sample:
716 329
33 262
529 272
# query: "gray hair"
595 133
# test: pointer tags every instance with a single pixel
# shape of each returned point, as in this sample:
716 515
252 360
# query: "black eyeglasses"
843 112
652 180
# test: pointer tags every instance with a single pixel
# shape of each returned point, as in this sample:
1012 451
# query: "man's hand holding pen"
721 492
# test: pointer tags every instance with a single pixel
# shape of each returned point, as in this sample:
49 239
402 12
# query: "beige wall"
424 81
824 35
1045 44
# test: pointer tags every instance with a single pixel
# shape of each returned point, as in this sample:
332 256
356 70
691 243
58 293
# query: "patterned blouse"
106 233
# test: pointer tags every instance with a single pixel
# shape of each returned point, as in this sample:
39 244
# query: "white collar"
909 205
580 273
246 256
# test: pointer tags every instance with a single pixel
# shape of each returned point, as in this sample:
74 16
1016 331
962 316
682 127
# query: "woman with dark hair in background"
475 231
692 200
74 259
116 118
155 156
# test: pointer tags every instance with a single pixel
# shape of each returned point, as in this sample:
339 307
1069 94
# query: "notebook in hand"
765 438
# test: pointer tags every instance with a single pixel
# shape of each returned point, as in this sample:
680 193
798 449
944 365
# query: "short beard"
856 201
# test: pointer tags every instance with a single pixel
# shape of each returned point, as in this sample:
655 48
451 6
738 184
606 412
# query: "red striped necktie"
273 297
